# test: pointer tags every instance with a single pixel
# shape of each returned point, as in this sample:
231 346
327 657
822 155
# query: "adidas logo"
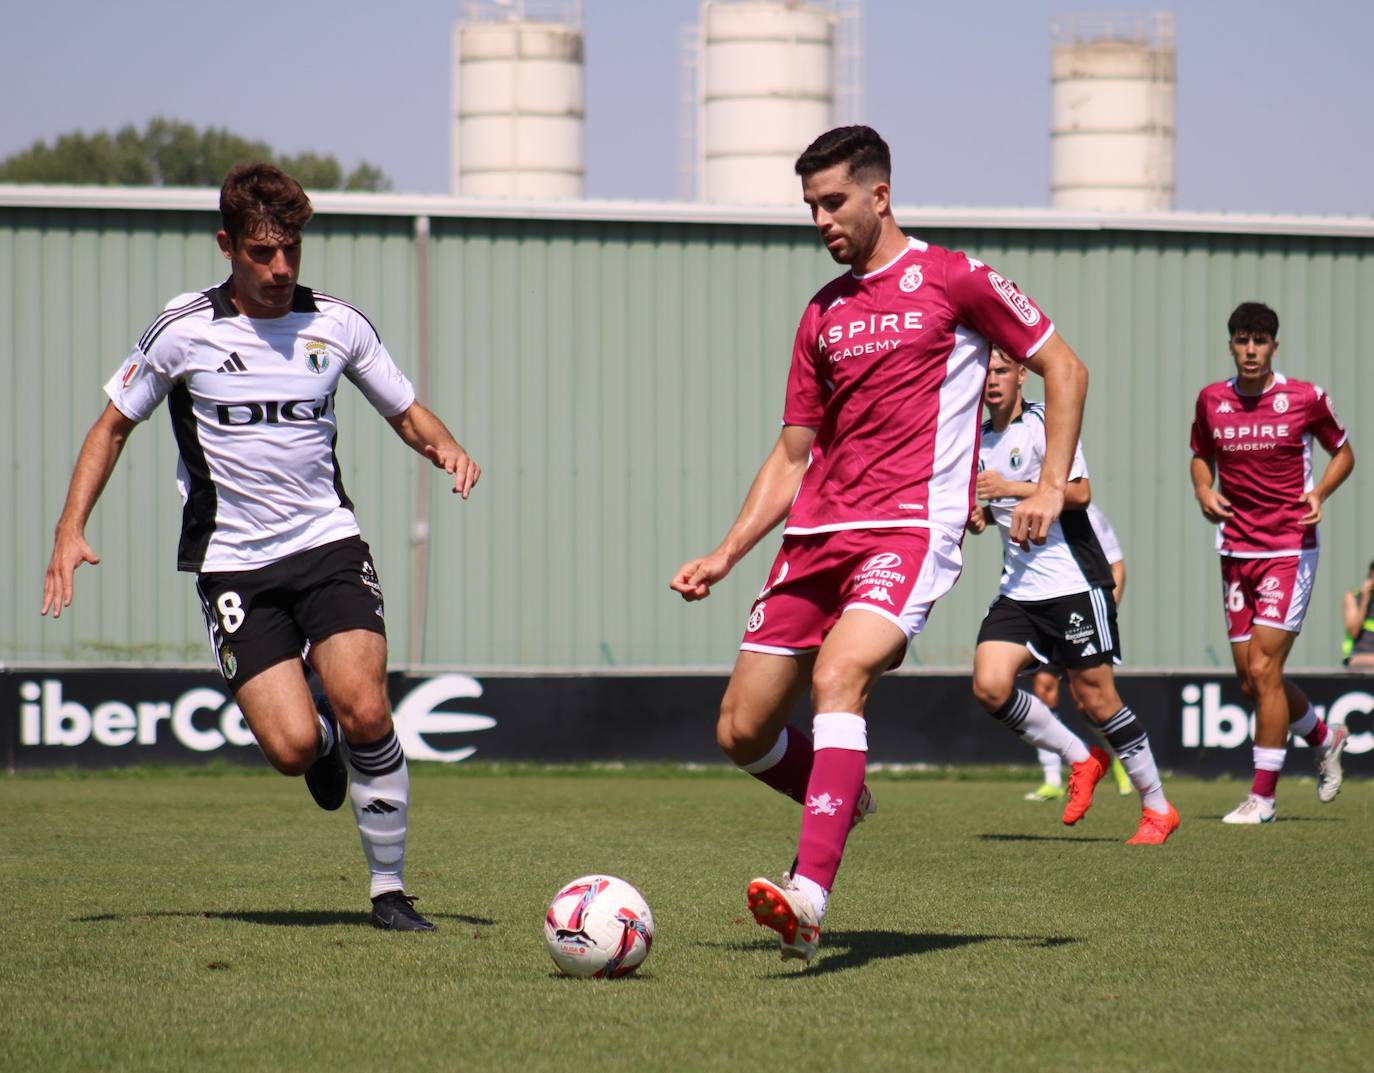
378 807
233 365
1091 650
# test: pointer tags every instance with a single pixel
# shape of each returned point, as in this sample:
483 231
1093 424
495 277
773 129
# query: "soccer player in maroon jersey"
874 473
1253 433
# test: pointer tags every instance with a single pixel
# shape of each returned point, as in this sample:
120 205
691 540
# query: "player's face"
265 266
1253 353
846 211
1003 386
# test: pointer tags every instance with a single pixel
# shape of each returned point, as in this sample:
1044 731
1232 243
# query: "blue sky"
1274 112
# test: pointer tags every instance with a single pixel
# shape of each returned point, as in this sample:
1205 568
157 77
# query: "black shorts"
1074 632
257 618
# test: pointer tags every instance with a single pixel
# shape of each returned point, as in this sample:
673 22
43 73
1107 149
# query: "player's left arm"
1078 492
1118 581
1066 387
422 430
1341 465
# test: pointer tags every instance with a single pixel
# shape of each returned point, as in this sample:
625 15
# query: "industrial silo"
768 74
1112 135
517 100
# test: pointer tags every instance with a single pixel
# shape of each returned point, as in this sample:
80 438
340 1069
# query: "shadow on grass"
1042 838
853 949
285 918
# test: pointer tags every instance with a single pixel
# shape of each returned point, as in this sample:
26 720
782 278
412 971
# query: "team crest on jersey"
756 619
1017 302
911 279
1281 403
316 356
228 662
1015 460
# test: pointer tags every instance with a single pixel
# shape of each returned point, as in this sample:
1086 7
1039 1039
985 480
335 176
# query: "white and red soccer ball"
598 926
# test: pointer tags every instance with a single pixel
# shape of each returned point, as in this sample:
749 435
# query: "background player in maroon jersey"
1254 433
874 472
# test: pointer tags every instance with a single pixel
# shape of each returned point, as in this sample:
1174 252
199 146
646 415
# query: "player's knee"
991 691
1262 670
364 720
293 750
742 742
839 686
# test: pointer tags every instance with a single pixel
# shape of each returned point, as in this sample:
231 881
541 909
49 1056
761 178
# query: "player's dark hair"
862 148
261 197
1253 317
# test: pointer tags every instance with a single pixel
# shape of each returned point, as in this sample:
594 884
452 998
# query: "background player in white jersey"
1253 434
249 370
1056 604
874 472
1045 677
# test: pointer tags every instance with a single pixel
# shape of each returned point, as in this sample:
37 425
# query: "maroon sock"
1319 734
1266 783
837 777
789 774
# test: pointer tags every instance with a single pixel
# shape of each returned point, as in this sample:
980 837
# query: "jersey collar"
911 244
302 300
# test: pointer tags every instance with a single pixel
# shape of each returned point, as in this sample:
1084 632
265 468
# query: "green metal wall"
620 382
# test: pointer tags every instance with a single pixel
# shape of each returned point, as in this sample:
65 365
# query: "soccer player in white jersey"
249 370
873 471
1045 678
1252 434
1054 604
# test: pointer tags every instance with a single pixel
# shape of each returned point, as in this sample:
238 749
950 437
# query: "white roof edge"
912 217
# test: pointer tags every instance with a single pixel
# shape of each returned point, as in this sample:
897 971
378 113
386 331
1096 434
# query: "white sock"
1051 765
819 895
326 735
1027 715
380 792
1127 737
1305 724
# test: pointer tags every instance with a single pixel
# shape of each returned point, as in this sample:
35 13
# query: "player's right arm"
95 463
770 496
1215 506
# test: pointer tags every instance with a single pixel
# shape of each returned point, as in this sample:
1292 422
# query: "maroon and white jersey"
1261 446
888 368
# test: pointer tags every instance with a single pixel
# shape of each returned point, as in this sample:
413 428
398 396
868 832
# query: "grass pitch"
172 921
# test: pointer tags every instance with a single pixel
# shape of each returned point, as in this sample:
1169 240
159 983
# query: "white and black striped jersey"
252 408
1071 560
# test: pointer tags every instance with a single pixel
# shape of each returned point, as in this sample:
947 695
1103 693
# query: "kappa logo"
756 620
1281 403
911 279
1270 611
1017 302
825 805
887 560
877 594
1225 408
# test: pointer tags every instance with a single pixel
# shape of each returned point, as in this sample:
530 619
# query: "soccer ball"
598 926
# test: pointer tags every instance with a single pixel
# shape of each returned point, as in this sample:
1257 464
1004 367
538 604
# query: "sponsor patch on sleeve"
1017 302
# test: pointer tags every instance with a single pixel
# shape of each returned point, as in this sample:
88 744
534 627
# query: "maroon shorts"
1266 592
895 573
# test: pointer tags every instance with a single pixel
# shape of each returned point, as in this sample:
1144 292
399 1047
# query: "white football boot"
789 912
1329 773
1254 809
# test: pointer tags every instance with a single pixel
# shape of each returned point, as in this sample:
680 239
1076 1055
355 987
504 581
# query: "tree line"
171 153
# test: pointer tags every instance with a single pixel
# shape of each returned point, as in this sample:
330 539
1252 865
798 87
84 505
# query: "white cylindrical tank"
1112 96
766 92
517 105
